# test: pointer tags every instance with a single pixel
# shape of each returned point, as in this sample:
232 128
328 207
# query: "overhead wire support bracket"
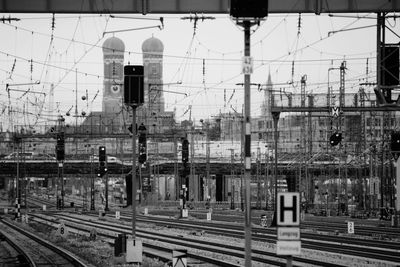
134 29
153 86
25 91
161 19
350 29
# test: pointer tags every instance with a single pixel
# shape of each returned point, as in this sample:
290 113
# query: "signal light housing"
142 144
185 151
102 153
60 146
335 139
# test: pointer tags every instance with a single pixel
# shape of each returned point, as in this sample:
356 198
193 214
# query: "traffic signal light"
134 85
142 144
102 161
335 138
102 153
395 142
102 170
60 146
185 151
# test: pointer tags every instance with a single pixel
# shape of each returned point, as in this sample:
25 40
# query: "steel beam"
193 6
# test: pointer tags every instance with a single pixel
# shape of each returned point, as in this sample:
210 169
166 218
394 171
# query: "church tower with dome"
154 108
113 55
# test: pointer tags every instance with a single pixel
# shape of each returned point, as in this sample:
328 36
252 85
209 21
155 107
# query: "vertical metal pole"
339 185
106 195
380 20
247 147
241 164
208 162
62 184
17 199
141 183
76 110
134 172
275 116
176 176
57 184
191 175
266 179
397 204
258 203
92 181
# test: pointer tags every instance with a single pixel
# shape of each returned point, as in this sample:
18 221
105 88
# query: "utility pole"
258 174
208 162
232 178
92 207
343 180
275 116
17 142
242 11
176 176
303 141
247 144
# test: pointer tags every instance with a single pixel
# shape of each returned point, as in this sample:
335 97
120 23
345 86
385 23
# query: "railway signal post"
134 97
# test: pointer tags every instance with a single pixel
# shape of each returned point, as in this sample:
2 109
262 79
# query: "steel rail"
62 252
28 260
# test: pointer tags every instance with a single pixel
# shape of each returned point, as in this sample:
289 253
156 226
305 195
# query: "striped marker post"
17 209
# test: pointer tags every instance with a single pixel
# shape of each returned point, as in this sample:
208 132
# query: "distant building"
153 113
115 117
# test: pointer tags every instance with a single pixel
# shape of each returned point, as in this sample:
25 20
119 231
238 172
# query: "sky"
203 63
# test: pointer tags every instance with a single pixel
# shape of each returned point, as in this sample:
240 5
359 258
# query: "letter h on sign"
288 209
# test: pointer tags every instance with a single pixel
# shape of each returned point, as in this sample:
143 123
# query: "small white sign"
62 230
44 207
350 227
5 210
292 247
146 211
335 111
134 251
117 215
179 258
247 65
185 213
288 233
208 216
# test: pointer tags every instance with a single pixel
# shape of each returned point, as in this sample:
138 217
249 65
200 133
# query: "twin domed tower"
152 113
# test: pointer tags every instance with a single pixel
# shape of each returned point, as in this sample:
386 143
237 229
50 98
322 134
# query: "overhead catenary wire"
223 82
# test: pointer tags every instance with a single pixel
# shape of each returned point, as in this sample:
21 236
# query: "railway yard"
88 238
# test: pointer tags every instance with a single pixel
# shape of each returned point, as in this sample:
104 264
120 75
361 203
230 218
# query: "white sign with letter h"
288 209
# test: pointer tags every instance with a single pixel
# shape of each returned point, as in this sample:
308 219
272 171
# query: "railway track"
34 250
373 249
331 225
11 254
345 245
259 256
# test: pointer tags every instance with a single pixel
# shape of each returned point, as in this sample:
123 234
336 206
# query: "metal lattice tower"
303 132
